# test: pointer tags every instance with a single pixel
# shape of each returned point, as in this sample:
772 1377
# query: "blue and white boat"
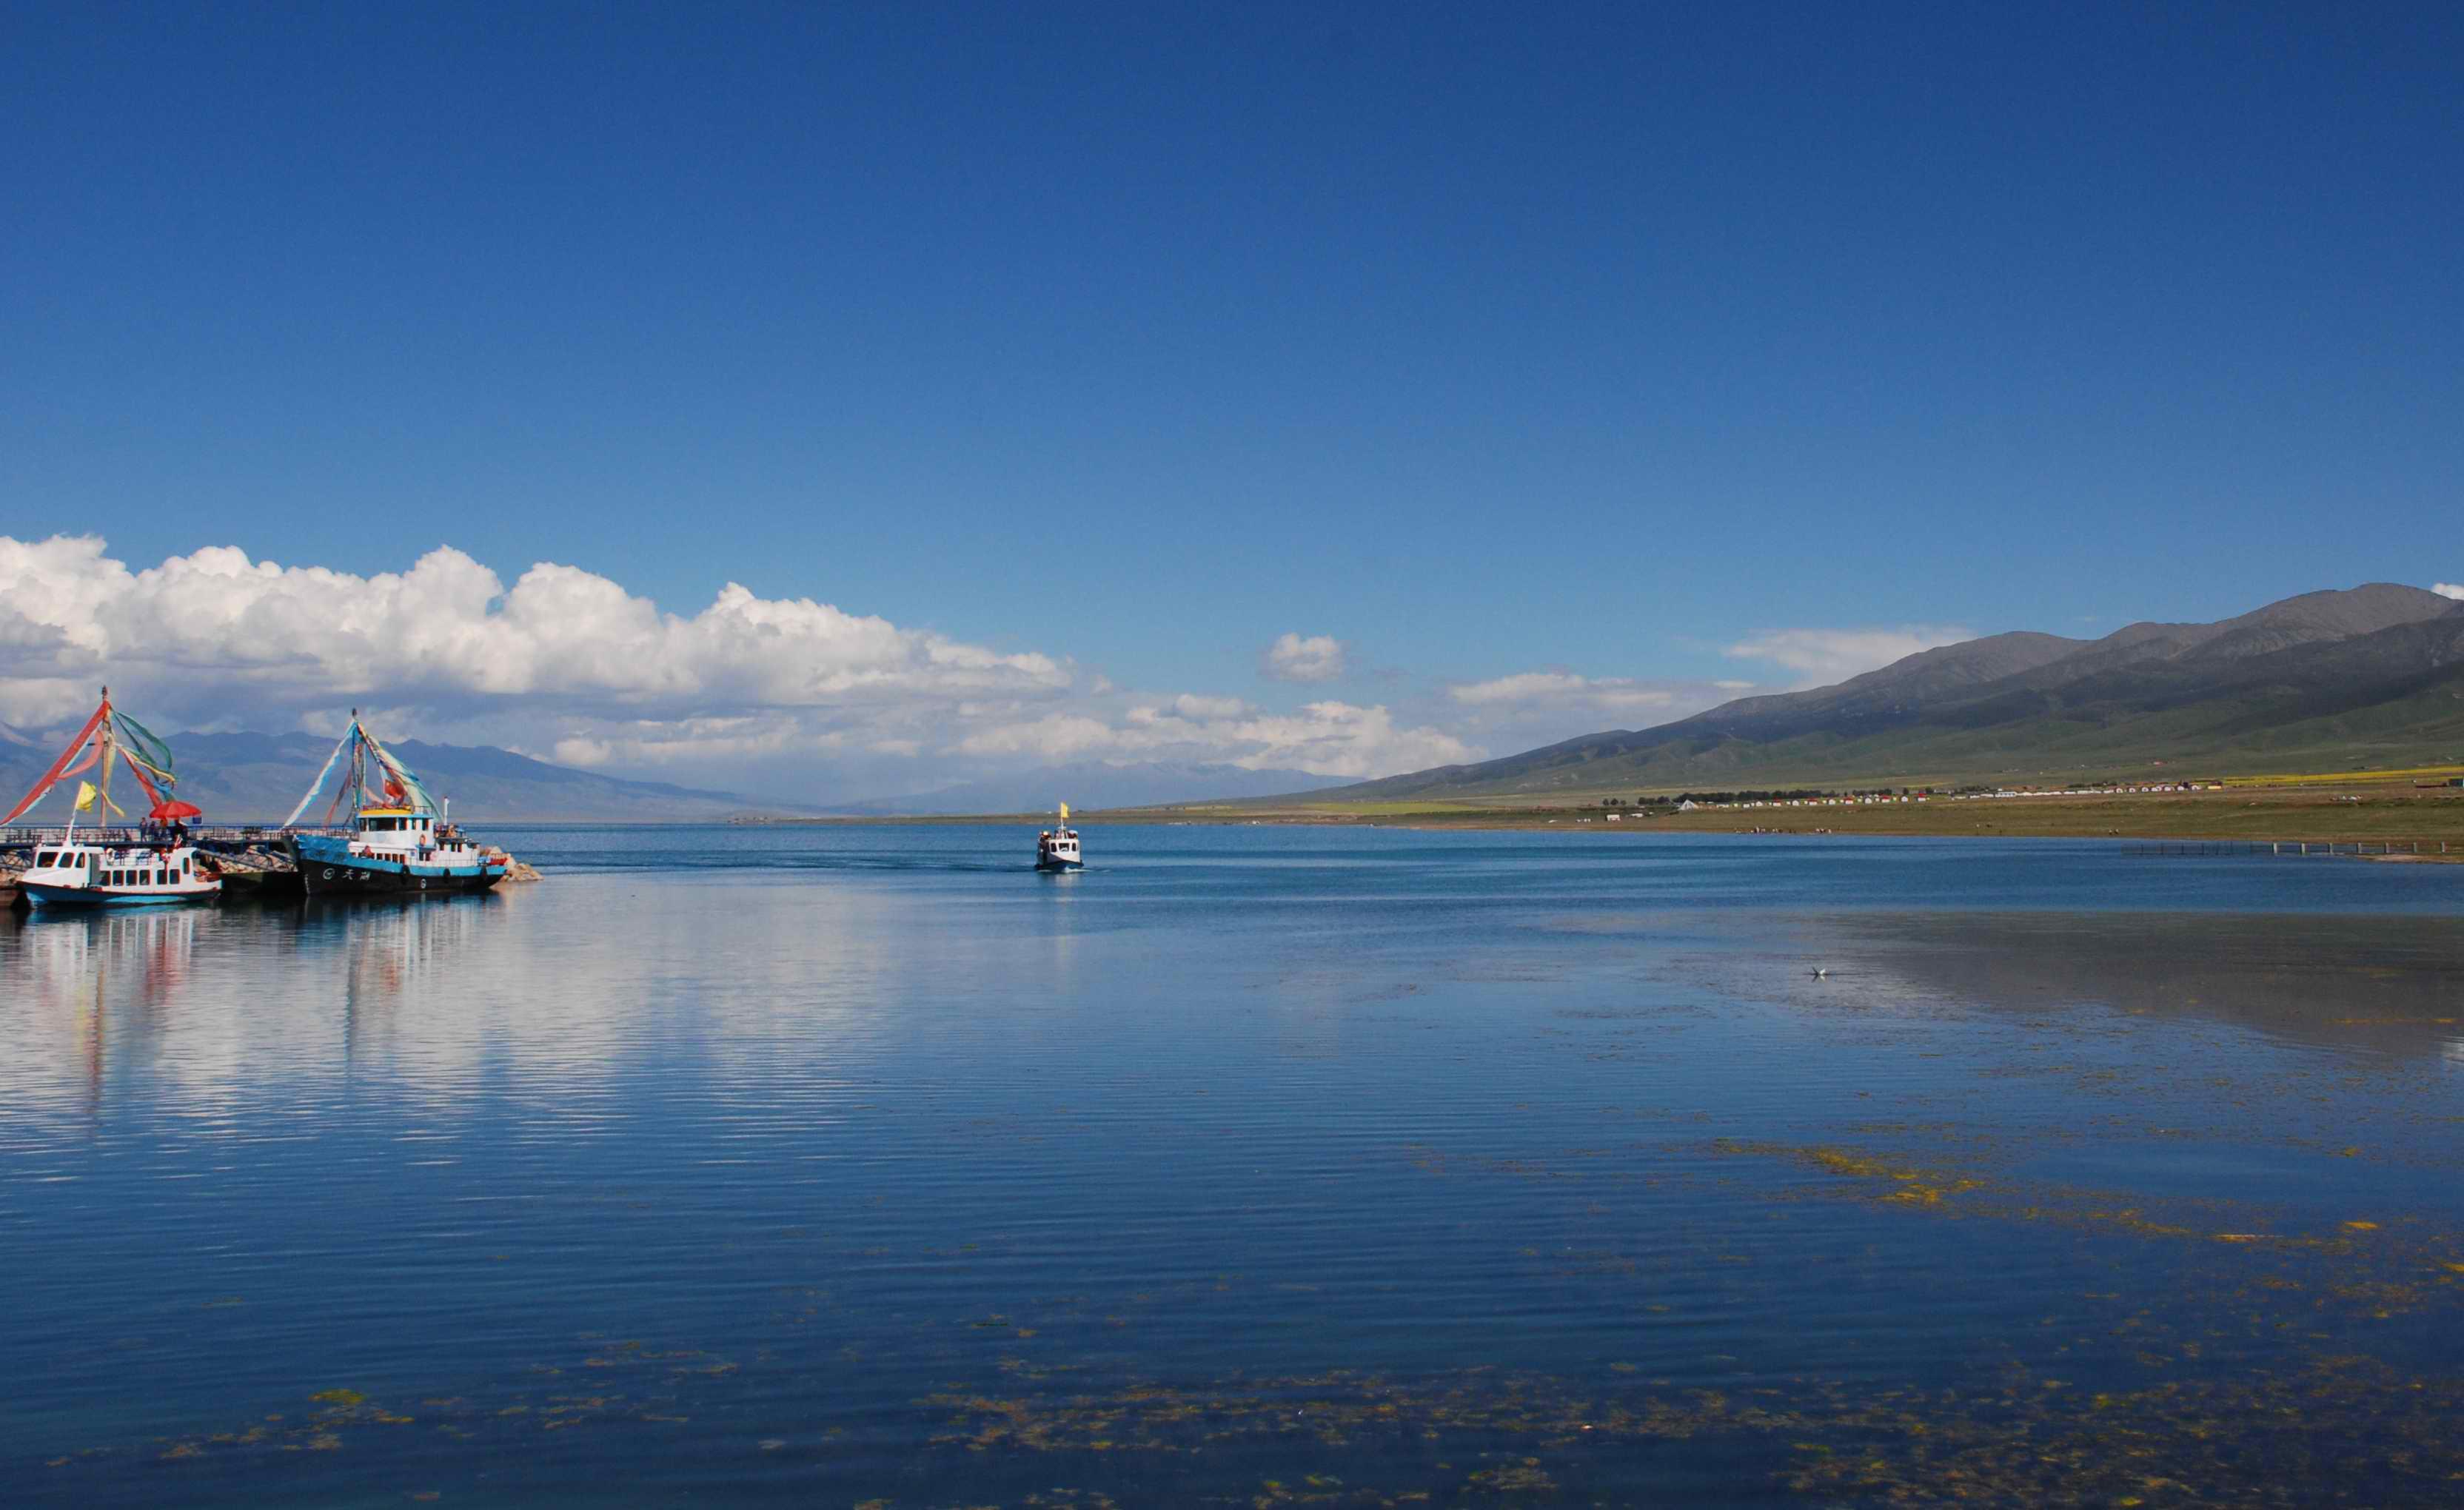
394 851
400 843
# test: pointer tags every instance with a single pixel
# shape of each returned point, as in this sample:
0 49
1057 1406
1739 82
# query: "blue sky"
1596 343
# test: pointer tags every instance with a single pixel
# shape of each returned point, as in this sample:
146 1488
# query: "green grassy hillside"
2373 676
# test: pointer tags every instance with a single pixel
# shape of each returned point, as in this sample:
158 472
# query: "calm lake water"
1251 1166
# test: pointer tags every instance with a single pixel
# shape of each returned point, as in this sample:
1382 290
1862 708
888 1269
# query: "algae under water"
1247 1167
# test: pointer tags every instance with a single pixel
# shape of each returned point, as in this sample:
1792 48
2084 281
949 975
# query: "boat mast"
358 772
104 739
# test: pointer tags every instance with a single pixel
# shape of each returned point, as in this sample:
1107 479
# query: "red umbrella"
166 811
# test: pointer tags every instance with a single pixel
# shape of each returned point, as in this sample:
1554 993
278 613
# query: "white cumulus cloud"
1822 657
215 626
1318 658
1190 705
2455 590
789 695
1559 690
1328 738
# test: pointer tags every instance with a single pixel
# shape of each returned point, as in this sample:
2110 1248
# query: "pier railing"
130 836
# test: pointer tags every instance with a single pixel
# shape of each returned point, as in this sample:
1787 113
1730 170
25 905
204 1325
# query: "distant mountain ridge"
1090 784
257 777
2373 672
254 778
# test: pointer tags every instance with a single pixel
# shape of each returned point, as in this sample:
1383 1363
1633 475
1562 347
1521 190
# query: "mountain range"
1091 784
2370 675
2365 677
255 778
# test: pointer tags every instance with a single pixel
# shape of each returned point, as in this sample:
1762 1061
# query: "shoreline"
2229 817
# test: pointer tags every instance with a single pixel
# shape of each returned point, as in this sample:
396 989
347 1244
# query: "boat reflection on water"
93 984
95 993
432 998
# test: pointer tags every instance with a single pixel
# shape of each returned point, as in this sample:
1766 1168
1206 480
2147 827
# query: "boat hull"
38 894
328 869
1053 863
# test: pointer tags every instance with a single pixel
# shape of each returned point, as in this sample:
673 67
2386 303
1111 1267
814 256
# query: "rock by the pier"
256 858
518 870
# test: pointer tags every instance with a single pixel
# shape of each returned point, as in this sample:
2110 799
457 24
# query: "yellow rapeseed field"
2422 773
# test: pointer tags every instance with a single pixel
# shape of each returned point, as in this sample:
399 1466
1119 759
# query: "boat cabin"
409 834
1057 846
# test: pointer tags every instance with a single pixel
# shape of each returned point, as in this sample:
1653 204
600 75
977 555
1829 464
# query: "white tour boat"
72 874
151 872
1057 848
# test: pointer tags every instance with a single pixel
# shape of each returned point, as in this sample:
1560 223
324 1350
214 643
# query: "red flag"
57 766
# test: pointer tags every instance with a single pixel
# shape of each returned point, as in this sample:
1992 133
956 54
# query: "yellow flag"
1065 812
86 794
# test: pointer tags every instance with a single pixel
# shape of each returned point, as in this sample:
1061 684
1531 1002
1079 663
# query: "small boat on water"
401 841
93 875
1057 848
160 869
